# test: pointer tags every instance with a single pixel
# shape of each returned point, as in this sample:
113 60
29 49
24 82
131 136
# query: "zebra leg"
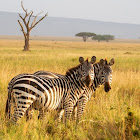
68 109
29 113
74 113
20 108
41 113
80 108
18 113
59 115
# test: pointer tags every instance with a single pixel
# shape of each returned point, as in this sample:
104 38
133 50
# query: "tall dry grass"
110 116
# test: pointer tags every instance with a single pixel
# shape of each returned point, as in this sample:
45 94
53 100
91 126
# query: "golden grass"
106 115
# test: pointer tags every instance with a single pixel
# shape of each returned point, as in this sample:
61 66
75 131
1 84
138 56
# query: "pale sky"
122 11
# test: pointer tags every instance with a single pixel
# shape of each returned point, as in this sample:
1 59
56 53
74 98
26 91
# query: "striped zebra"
32 91
103 76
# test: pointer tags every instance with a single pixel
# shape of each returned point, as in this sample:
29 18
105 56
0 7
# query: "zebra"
103 76
32 91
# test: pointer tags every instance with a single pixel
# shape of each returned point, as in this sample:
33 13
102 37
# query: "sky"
121 11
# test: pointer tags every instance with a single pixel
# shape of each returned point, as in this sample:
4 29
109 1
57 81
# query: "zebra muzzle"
107 87
88 81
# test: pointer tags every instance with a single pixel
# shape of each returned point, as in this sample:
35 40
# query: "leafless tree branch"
29 18
24 21
23 7
29 13
22 29
34 24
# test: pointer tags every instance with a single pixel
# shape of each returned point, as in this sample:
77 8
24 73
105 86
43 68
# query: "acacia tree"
27 25
98 38
85 35
108 37
103 38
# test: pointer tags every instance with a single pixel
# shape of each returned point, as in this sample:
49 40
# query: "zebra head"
105 73
87 70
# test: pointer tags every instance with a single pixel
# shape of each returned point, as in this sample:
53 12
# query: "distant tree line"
86 35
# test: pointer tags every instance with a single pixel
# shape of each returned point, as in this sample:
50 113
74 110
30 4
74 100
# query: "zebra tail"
7 108
8 104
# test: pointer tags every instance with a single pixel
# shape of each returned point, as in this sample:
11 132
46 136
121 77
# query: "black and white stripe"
103 76
32 91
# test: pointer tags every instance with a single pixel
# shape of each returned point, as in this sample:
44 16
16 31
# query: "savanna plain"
108 116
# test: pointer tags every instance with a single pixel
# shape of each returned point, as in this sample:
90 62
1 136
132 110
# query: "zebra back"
40 92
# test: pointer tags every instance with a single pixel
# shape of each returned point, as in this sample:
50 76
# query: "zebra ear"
93 59
112 61
81 60
102 62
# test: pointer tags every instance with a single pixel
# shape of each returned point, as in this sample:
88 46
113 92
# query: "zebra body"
43 94
103 74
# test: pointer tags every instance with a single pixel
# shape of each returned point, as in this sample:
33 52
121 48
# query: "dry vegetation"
108 116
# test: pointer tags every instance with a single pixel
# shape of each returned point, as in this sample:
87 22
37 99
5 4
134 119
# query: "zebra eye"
82 70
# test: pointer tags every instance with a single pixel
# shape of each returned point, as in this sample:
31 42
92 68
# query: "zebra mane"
97 67
71 70
97 63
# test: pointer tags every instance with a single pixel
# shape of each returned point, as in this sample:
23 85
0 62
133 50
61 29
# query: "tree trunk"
26 47
85 38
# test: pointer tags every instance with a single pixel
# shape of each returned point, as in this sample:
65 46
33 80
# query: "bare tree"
27 25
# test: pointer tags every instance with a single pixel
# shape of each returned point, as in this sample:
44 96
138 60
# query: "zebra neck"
97 79
74 77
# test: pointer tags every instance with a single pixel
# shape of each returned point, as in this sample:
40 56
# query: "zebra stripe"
103 75
48 93
102 69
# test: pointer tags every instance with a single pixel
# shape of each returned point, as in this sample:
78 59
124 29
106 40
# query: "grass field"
108 116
